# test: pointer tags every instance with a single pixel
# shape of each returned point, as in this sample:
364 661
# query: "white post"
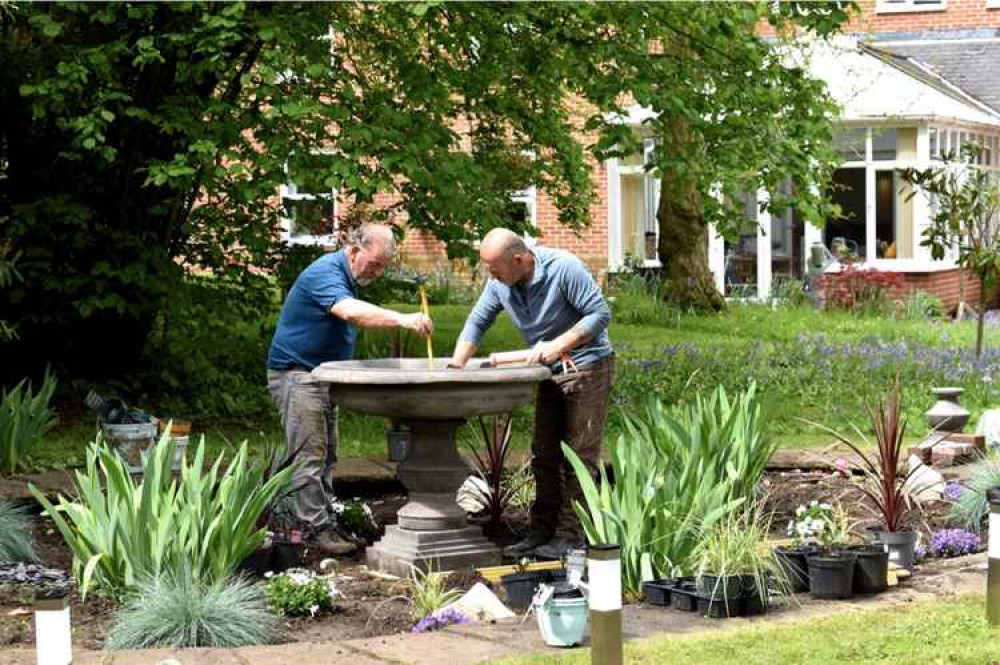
993 557
763 247
717 258
604 583
53 633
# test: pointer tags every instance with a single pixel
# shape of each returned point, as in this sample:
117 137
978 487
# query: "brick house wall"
957 15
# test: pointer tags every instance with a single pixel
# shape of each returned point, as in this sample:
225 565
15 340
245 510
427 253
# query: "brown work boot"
331 543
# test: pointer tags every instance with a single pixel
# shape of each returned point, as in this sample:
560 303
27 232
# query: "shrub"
178 610
16 544
300 592
920 305
864 291
789 293
736 545
24 416
970 509
677 471
121 533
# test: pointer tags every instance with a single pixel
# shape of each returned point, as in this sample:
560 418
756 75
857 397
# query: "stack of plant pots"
837 573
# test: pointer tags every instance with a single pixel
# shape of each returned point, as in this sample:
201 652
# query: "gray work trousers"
310 423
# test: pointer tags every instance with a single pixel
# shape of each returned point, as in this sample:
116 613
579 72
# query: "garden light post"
993 554
604 573
53 637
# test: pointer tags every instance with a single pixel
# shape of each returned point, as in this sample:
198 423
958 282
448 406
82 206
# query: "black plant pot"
521 587
871 571
285 556
730 586
657 592
831 575
257 563
792 562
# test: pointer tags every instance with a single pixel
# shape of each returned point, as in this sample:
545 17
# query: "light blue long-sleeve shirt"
560 295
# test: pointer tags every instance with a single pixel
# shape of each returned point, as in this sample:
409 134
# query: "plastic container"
130 441
521 587
562 616
871 571
832 575
720 608
657 592
792 561
684 595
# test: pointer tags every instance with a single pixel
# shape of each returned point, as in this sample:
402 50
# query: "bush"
178 610
24 417
121 533
920 305
790 293
299 592
356 517
864 291
16 545
677 471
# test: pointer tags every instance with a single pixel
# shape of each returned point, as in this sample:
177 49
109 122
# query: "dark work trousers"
571 407
310 423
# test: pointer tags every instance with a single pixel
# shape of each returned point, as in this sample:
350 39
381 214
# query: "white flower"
987 378
269 574
800 511
331 590
313 609
826 506
813 504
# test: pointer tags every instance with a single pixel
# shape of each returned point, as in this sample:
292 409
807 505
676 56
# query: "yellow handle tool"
426 310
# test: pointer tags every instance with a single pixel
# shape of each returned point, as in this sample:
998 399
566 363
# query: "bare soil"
372 605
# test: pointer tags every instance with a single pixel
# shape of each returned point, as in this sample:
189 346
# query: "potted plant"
732 566
804 530
886 487
522 583
831 569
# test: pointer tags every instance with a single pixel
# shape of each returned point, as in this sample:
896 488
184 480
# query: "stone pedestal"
432 530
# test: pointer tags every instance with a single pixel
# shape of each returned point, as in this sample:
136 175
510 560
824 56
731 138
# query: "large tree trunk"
683 245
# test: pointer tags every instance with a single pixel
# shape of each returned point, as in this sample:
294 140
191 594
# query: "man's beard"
364 281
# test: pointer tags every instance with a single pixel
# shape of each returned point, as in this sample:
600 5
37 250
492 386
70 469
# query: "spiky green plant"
971 507
121 532
677 471
178 610
16 544
429 593
24 416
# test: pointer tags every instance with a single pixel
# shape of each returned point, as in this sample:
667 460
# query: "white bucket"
180 445
130 441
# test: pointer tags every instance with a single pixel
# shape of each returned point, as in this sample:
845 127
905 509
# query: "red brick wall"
945 285
958 14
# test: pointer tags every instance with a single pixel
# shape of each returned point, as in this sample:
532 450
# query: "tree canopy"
140 140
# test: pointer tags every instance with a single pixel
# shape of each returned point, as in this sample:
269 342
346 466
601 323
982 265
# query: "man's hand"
418 323
545 352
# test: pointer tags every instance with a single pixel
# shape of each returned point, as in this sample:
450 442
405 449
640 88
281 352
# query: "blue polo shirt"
308 334
560 295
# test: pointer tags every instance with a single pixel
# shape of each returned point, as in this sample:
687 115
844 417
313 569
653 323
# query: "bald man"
558 307
318 324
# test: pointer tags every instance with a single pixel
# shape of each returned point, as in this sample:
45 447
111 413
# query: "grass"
922 634
737 328
16 544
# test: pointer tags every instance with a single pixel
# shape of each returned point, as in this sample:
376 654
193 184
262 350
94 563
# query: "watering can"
562 612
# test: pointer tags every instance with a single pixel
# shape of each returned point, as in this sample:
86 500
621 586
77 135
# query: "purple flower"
952 492
954 542
439 620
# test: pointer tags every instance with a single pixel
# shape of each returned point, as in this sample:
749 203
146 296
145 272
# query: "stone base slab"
446 549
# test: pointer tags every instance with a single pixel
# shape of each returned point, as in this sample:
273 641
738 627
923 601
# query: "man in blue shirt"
318 324
559 309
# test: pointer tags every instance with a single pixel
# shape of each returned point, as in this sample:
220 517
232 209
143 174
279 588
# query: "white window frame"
529 197
992 4
909 6
651 195
290 192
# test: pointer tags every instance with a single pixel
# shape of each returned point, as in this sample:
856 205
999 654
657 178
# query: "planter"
521 587
130 441
657 592
901 546
396 439
832 575
871 571
258 563
792 561
947 415
562 617
730 586
684 595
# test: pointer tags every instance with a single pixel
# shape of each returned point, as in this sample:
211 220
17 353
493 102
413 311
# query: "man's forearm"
366 315
463 352
572 338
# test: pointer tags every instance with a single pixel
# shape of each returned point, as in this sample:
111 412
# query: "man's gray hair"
369 235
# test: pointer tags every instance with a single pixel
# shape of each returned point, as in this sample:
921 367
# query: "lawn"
940 632
809 365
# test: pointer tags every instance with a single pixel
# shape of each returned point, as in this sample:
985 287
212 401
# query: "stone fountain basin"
412 388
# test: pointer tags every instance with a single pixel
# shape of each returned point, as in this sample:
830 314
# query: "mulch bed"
373 606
